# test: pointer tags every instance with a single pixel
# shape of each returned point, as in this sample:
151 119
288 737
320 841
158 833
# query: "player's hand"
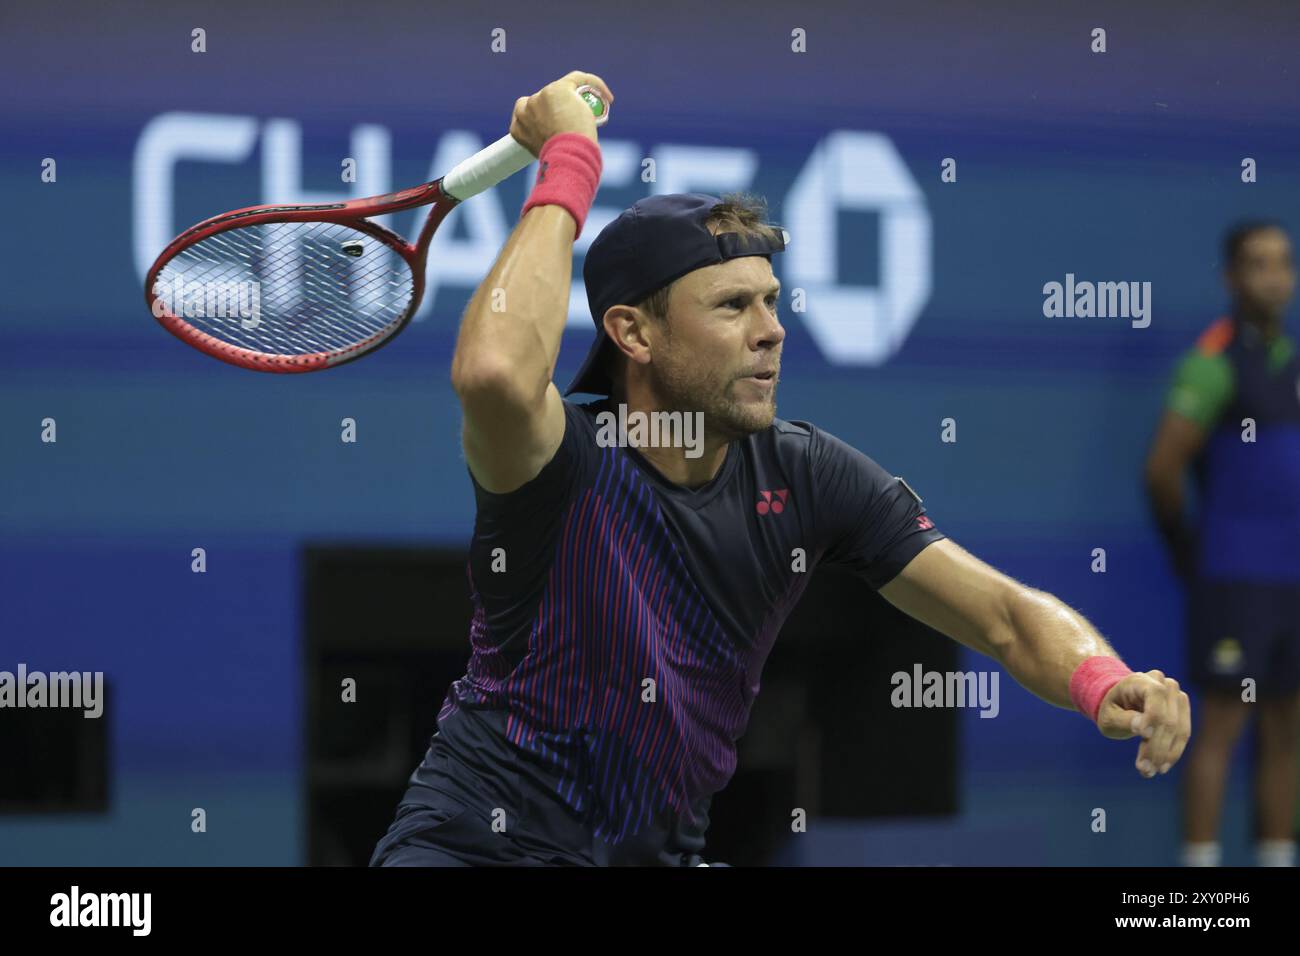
1151 706
557 108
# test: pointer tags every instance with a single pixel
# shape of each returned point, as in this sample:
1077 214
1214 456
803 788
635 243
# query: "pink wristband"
1092 680
567 175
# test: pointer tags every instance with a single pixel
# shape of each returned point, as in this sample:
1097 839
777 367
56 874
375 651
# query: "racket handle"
505 157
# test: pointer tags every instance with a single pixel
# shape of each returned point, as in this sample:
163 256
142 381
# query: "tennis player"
627 591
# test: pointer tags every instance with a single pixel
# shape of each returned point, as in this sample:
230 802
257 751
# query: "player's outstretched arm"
1048 648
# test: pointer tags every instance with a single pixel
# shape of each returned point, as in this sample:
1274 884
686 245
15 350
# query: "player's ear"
625 330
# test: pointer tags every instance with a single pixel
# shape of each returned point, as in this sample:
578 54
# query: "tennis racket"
279 288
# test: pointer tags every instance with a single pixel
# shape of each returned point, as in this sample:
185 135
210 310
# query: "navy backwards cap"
657 240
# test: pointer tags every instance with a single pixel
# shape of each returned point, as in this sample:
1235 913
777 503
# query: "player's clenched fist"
1151 706
557 108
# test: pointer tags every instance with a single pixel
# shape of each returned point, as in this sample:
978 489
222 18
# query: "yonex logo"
924 523
767 504
541 171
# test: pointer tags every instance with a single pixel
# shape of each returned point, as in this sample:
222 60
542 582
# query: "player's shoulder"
842 474
798 430
795 438
788 437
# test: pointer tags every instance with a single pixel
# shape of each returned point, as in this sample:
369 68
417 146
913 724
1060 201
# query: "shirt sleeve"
869 521
551 487
525 526
1201 389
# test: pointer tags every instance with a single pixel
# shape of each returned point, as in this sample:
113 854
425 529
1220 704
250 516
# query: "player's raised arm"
510 333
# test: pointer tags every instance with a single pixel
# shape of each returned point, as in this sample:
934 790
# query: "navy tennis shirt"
620 627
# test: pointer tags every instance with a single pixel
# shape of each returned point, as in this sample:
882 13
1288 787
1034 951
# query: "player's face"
1264 274
721 351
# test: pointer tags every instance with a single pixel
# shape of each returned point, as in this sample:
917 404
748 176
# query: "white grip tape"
494 163
486 168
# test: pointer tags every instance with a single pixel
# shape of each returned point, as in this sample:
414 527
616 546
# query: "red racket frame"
354 214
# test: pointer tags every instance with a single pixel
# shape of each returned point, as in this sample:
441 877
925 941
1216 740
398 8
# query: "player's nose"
768 331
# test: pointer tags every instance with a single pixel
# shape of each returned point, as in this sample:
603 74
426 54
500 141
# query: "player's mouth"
765 379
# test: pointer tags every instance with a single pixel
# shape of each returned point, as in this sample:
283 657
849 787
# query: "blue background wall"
1123 166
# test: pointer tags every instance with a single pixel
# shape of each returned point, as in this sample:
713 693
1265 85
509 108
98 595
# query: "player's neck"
679 447
673 464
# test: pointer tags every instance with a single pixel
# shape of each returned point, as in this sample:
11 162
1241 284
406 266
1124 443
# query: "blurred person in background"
1232 414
